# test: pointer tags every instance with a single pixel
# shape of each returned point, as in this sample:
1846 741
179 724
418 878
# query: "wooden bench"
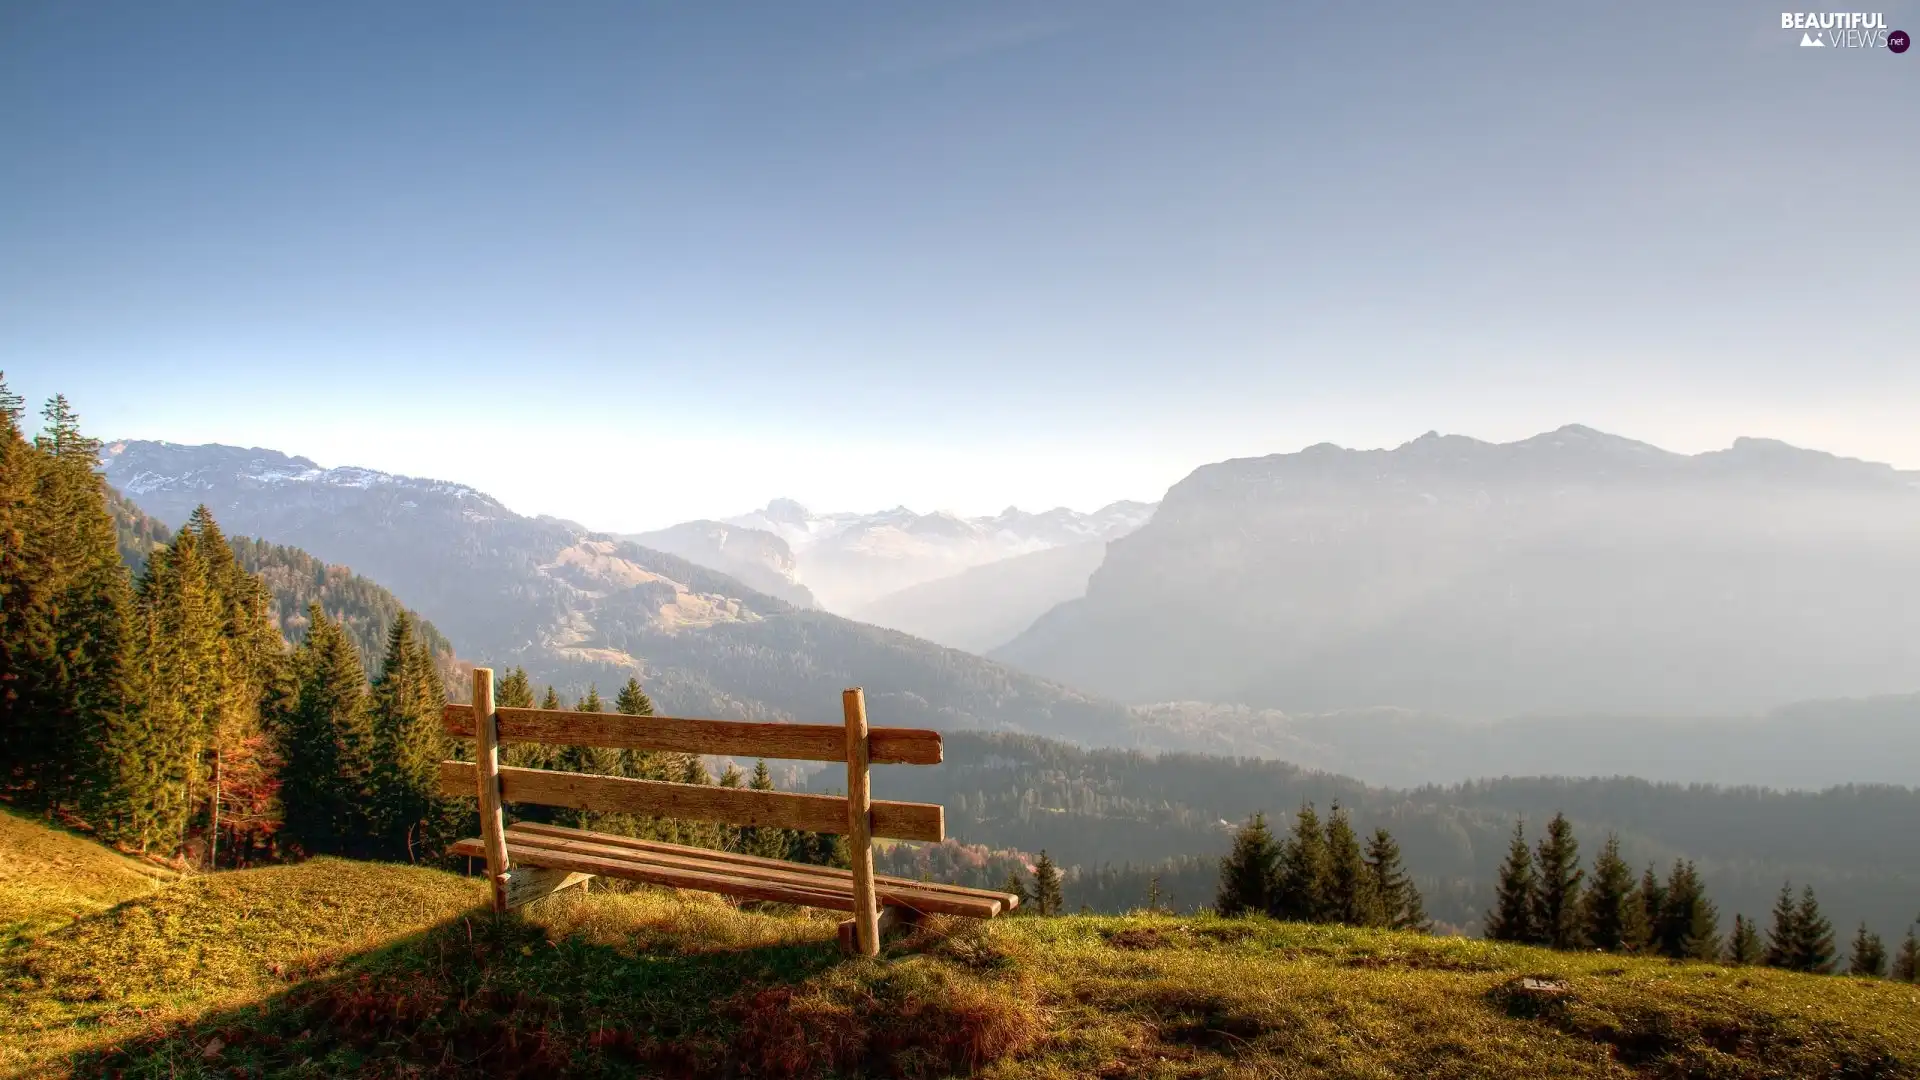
528 861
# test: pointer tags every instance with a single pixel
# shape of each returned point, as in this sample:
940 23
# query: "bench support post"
486 756
866 917
891 919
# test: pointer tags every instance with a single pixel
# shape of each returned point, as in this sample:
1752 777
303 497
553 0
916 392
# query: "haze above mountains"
1571 579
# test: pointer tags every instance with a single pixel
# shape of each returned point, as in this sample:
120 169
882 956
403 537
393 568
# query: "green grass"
334 968
49 877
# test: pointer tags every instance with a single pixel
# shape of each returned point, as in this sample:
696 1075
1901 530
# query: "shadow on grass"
486 996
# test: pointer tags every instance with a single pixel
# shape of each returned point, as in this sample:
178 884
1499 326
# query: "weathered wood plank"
485 783
519 829
903 894
859 804
693 802
525 884
796 742
679 878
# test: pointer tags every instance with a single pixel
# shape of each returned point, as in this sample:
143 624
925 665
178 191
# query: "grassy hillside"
48 877
333 968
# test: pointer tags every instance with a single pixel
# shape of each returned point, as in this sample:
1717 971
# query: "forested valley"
221 702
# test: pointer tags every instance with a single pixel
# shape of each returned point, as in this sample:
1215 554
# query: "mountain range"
577 607
1574 572
850 561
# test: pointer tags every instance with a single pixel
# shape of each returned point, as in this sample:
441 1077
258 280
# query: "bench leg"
892 919
525 884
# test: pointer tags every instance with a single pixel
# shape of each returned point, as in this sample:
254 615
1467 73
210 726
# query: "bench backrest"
855 814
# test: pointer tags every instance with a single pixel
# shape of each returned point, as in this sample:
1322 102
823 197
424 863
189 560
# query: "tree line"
1319 873
165 711
1544 897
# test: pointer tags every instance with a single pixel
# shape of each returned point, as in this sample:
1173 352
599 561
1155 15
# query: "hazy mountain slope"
1809 745
760 560
1573 572
297 580
576 607
984 607
851 560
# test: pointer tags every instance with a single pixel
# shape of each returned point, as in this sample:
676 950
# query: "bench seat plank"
898 893
672 877
703 869
533 828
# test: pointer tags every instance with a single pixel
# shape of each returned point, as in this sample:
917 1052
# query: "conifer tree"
1016 887
514 691
328 744
1512 916
1247 873
67 609
1301 888
761 840
1906 962
1689 924
1606 909
1783 937
1556 898
551 701
1869 955
1744 947
410 818
1815 952
1400 904
819 849
1350 895
592 702
1047 896
25 639
638 764
1653 903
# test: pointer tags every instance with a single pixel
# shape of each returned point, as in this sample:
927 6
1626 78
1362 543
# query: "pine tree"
25 638
514 691
66 631
1512 916
1350 895
1247 873
1015 887
1783 938
1606 909
638 764
1047 897
1869 956
1556 898
1400 904
1815 952
1689 925
592 702
763 840
1653 904
1906 962
551 701
410 818
328 745
1302 886
1743 944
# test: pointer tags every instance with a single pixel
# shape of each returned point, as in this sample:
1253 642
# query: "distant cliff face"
1573 571
576 607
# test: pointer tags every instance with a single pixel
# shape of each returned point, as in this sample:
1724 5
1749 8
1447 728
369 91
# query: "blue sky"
634 263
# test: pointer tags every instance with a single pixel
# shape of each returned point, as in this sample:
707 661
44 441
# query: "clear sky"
633 263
